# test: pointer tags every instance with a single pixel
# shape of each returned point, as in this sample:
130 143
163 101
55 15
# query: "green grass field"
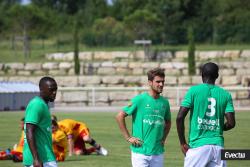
104 129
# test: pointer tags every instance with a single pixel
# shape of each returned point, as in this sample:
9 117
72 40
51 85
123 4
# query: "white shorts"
140 160
204 156
47 164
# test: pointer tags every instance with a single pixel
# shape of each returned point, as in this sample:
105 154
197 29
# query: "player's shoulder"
139 96
65 121
36 100
164 99
222 90
198 86
37 103
142 94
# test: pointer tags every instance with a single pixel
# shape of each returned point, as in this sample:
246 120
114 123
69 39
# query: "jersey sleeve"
132 106
33 113
229 106
66 130
187 101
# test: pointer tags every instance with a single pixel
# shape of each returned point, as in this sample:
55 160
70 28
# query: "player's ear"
217 75
150 82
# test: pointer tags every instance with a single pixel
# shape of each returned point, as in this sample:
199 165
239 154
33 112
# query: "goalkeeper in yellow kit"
77 135
59 140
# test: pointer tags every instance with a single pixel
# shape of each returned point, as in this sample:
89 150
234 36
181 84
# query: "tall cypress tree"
191 51
76 46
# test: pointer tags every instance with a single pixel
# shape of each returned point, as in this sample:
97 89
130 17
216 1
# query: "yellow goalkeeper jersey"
72 127
60 144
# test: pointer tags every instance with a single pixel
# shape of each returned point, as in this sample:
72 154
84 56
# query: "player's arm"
120 118
71 144
181 128
69 135
166 130
30 133
230 121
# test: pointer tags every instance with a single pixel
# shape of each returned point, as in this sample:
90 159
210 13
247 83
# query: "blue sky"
25 2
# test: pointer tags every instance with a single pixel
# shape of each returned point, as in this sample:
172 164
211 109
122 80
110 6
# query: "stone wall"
128 69
108 73
157 55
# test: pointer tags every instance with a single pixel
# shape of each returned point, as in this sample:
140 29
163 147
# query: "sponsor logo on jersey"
208 124
147 106
156 111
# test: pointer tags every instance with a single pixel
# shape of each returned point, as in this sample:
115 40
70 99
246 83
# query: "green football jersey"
148 122
37 113
208 104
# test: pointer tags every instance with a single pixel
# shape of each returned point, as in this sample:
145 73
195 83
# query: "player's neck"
154 94
208 81
43 98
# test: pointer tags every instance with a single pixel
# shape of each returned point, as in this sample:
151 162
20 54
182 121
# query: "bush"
106 32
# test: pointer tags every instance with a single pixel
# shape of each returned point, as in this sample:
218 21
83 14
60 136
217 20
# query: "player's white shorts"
47 164
140 160
204 156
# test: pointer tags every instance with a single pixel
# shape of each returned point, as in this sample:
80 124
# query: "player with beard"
151 119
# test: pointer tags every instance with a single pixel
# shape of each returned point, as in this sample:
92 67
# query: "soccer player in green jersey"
209 105
38 151
151 123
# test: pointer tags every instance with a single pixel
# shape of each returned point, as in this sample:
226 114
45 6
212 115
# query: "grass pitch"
105 131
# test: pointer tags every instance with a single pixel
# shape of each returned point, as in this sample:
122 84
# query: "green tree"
172 20
204 23
80 14
142 24
191 51
76 48
108 32
26 21
123 8
232 24
2 19
8 3
73 8
5 5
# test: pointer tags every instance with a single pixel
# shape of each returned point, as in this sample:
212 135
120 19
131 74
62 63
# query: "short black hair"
53 122
53 118
210 70
43 80
155 72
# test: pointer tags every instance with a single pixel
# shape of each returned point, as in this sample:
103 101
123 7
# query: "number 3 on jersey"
211 107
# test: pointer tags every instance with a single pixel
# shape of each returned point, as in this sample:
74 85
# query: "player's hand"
135 141
37 163
163 142
184 148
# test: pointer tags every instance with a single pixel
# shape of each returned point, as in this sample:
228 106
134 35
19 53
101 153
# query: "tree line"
119 22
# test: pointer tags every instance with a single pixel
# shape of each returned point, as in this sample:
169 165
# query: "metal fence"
240 95
106 96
